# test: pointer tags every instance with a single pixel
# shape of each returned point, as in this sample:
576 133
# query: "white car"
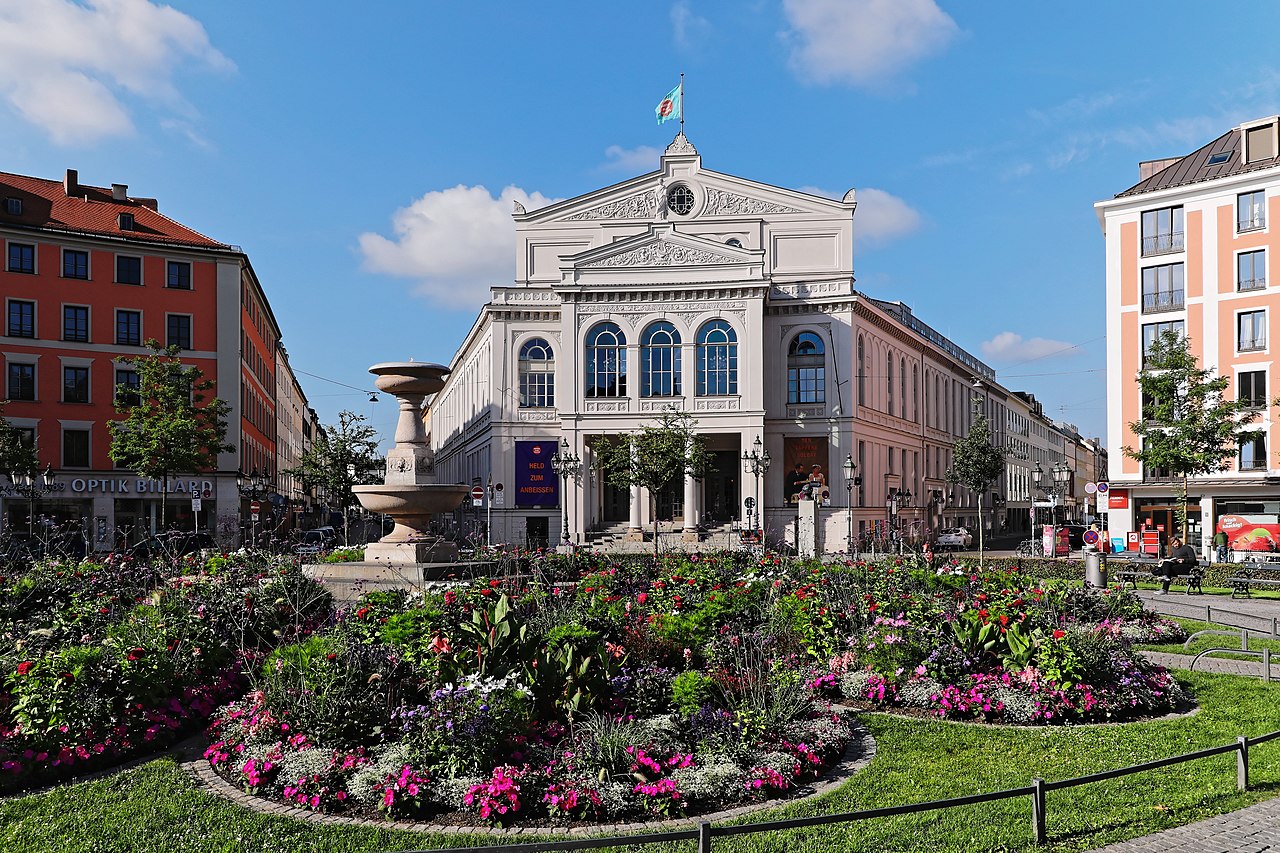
954 538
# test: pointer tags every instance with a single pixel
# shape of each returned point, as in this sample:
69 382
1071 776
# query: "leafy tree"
16 455
1187 427
976 465
168 427
342 455
656 458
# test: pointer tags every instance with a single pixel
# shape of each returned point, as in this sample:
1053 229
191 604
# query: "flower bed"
684 688
104 660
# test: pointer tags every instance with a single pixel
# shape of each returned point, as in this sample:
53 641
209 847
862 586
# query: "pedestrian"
1220 545
1182 558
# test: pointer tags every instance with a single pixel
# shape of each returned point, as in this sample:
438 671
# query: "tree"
168 427
1187 427
656 458
341 456
976 465
16 455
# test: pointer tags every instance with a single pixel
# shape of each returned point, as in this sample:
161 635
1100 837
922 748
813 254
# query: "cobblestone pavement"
1250 830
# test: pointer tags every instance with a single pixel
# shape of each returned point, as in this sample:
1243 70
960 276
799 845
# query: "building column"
634 531
690 507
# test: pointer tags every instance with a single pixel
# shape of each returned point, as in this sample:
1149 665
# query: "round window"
734 241
680 200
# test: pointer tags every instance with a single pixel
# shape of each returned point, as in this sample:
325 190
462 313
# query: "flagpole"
681 103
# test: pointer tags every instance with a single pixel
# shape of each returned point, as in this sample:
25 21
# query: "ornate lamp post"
567 464
1061 474
756 462
27 484
897 500
850 480
252 486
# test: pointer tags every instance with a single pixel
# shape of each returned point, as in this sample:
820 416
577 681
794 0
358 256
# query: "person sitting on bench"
1182 559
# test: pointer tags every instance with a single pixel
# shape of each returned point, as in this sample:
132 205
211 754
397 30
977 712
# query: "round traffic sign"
255 507
749 503
1103 488
1090 488
1091 537
477 493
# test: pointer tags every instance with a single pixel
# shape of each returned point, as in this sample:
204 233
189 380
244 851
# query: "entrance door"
615 504
720 489
536 531
1165 515
671 502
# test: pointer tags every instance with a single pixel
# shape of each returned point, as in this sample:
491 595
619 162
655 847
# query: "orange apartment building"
1189 248
90 274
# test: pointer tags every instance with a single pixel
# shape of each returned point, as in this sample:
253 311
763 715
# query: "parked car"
954 538
1075 535
312 542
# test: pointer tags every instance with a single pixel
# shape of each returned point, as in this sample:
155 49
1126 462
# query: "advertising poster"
806 470
1251 532
536 483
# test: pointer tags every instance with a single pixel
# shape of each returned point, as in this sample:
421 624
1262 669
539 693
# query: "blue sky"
365 155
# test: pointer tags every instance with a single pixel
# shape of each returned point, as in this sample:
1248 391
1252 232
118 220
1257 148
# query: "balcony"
1252 344
1251 223
1253 464
1247 284
1169 300
1162 244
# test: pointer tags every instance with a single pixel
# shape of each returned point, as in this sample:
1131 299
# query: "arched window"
806 370
915 393
888 383
862 374
537 374
606 361
902 388
717 359
660 361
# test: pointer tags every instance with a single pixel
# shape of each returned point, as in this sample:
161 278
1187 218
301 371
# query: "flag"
672 105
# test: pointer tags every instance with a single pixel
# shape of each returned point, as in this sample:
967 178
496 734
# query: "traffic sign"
256 508
498 496
749 503
253 516
1090 488
208 491
195 504
477 495
1090 537
1103 488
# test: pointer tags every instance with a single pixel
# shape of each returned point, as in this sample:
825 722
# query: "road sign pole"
488 515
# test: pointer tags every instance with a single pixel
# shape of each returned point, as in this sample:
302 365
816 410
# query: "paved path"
1262 614
1250 830
1212 664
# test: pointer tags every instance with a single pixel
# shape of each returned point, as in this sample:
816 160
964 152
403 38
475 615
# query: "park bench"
1254 574
1142 568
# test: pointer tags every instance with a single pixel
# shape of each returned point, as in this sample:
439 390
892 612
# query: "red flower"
1004 620
136 652
1059 634
495 582
25 667
362 612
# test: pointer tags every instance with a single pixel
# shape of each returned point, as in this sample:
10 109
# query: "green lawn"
156 808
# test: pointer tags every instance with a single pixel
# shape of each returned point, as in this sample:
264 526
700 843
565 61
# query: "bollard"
1244 639
704 837
1037 811
1242 764
1095 569
1266 666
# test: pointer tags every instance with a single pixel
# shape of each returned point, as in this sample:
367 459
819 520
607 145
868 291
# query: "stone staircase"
612 540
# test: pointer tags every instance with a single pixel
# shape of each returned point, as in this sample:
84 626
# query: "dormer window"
126 221
1260 142
13 206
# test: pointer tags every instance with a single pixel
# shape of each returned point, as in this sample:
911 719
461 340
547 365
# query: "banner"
1118 499
1250 532
805 461
536 484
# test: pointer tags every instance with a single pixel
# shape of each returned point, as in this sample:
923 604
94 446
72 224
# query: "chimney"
119 192
71 184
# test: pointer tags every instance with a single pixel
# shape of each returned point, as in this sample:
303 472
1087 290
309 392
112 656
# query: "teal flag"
672 105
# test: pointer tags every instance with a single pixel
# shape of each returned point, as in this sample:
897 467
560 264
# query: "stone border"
857 755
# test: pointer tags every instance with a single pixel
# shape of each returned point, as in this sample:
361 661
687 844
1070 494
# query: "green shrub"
690 691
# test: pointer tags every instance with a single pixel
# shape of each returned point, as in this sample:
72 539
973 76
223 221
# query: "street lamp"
850 480
567 464
757 464
29 486
896 500
252 486
1061 474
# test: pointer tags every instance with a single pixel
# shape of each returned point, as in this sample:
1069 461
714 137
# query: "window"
660 361
22 258
1253 454
128 328
75 264
1251 270
1220 157
75 323
125 221
1251 331
27 437
13 206
717 359
127 384
1251 388
1162 288
606 361
75 384
179 275
22 319
178 330
680 200
902 389
862 385
128 269
915 393
22 381
1259 143
807 370
537 369
888 366
1251 211
1162 231
733 241
75 448
1151 332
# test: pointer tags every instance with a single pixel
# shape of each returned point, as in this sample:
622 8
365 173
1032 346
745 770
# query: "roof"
92 210
1195 167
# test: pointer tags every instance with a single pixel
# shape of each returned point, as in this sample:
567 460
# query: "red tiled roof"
91 210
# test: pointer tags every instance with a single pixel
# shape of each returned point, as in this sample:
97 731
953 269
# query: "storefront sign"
138 486
1118 499
810 454
536 483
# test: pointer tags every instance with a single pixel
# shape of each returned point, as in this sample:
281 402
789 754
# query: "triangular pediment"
663 252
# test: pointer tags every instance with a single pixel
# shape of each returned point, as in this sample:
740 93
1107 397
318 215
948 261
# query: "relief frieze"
642 206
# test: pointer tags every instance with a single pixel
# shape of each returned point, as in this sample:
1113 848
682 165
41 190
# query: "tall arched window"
915 393
902 388
888 383
717 359
606 361
660 361
806 370
537 374
862 374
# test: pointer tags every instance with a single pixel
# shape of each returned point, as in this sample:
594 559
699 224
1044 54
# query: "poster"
1251 532
536 483
805 461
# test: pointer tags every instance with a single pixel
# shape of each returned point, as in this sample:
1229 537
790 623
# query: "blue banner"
536 483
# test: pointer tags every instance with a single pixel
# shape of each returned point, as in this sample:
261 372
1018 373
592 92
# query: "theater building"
733 301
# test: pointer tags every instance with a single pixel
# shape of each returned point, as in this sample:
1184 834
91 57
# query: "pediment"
660 253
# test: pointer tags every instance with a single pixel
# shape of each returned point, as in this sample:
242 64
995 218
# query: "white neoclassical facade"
730 300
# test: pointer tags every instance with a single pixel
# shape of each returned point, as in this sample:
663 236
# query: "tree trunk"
653 508
164 501
1185 489
981 526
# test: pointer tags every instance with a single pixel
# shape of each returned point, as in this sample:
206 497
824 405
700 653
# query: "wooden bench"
1254 574
1143 569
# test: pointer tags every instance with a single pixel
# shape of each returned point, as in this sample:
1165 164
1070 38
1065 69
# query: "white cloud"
687 27
880 216
455 243
1010 346
863 42
64 66
642 158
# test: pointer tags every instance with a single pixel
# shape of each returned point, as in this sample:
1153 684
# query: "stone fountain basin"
410 499
409 377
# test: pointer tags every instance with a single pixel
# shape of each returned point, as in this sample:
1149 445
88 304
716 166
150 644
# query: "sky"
365 156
